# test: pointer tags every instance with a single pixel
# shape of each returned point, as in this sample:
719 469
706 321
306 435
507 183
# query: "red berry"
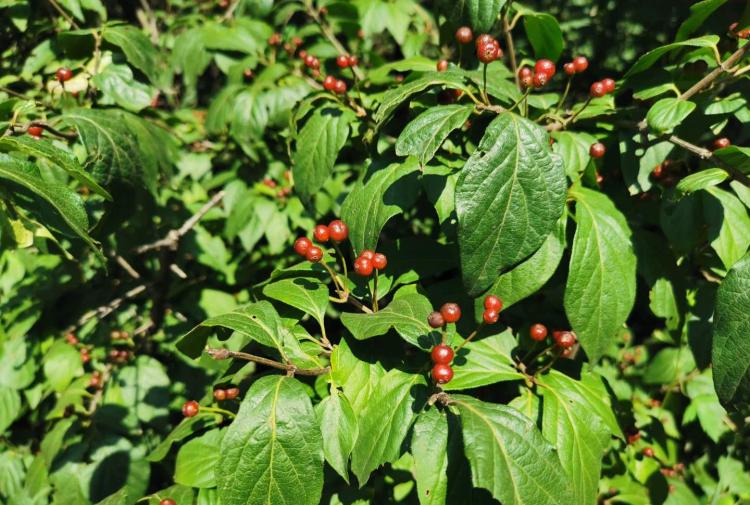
296 41
540 79
658 171
342 60
442 354
435 320
524 72
744 34
314 63
302 55
85 356
370 255
490 316
63 74
274 39
340 87
545 66
538 332
648 452
379 261
464 35
322 233
597 90
233 393
363 266
339 230
353 61
220 394
190 408
167 501
314 254
309 60
569 68
71 338
248 73
484 39
634 437
35 131
564 339
442 374
442 65
302 245
489 52
719 143
492 302
451 312
526 80
581 63
609 84
597 150
329 83
267 181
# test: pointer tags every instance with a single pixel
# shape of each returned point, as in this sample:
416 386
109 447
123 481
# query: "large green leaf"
509 457
138 50
407 314
317 147
509 196
423 135
731 347
728 225
699 12
600 290
702 180
10 407
338 424
736 157
398 94
307 294
118 86
272 452
429 446
382 194
528 277
484 362
62 363
386 420
544 34
196 461
479 14
66 204
357 377
647 60
668 113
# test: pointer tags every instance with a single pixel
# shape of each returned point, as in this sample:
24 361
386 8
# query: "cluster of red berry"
740 34
544 70
367 261
577 66
600 88
338 86
336 230
225 394
564 340
284 191
346 60
119 356
96 380
442 355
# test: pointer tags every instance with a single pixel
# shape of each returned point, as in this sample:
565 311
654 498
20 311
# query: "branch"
219 354
331 37
105 310
511 49
64 14
23 129
711 76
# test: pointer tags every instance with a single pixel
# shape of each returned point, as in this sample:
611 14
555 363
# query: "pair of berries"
442 355
597 150
96 380
190 408
345 60
601 88
35 131
336 230
721 143
577 66
544 70
492 307
449 313
311 61
338 86
71 338
63 74
274 39
488 49
564 339
226 394
369 261
85 355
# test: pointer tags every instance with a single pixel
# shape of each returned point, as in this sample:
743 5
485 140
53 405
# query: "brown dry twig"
291 369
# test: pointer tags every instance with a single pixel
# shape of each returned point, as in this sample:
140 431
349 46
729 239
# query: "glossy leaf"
196 460
544 34
668 113
728 225
702 180
484 362
600 290
429 445
423 136
307 294
338 423
273 450
647 60
509 196
394 97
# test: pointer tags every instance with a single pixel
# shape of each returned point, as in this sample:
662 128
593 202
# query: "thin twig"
711 76
220 354
326 30
126 266
511 49
64 14
104 310
23 129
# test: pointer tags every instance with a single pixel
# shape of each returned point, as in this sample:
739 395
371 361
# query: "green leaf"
138 50
699 12
42 148
317 146
272 452
117 84
407 314
429 446
197 459
62 363
10 407
307 294
702 180
730 347
704 404
544 34
423 135
480 14
647 60
145 388
383 193
65 203
357 377
338 423
509 457
736 157
667 113
397 95
187 427
573 148
668 365
529 276
509 196
600 291
484 362
386 420
728 225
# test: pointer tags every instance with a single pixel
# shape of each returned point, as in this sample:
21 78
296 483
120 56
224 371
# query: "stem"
343 260
217 410
343 293
711 76
511 49
219 354
484 85
323 336
471 337
375 293
575 114
326 30
548 365
525 94
564 96
64 14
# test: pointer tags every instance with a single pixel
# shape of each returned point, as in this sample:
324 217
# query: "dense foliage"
374 251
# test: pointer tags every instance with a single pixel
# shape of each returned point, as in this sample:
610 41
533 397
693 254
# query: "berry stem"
226 353
323 336
375 292
523 98
564 95
340 290
340 256
510 48
217 410
484 84
470 338
326 30
572 118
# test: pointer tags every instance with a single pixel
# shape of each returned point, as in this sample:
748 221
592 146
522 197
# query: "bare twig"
289 368
328 33
54 131
126 266
511 49
64 14
148 20
105 310
711 76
